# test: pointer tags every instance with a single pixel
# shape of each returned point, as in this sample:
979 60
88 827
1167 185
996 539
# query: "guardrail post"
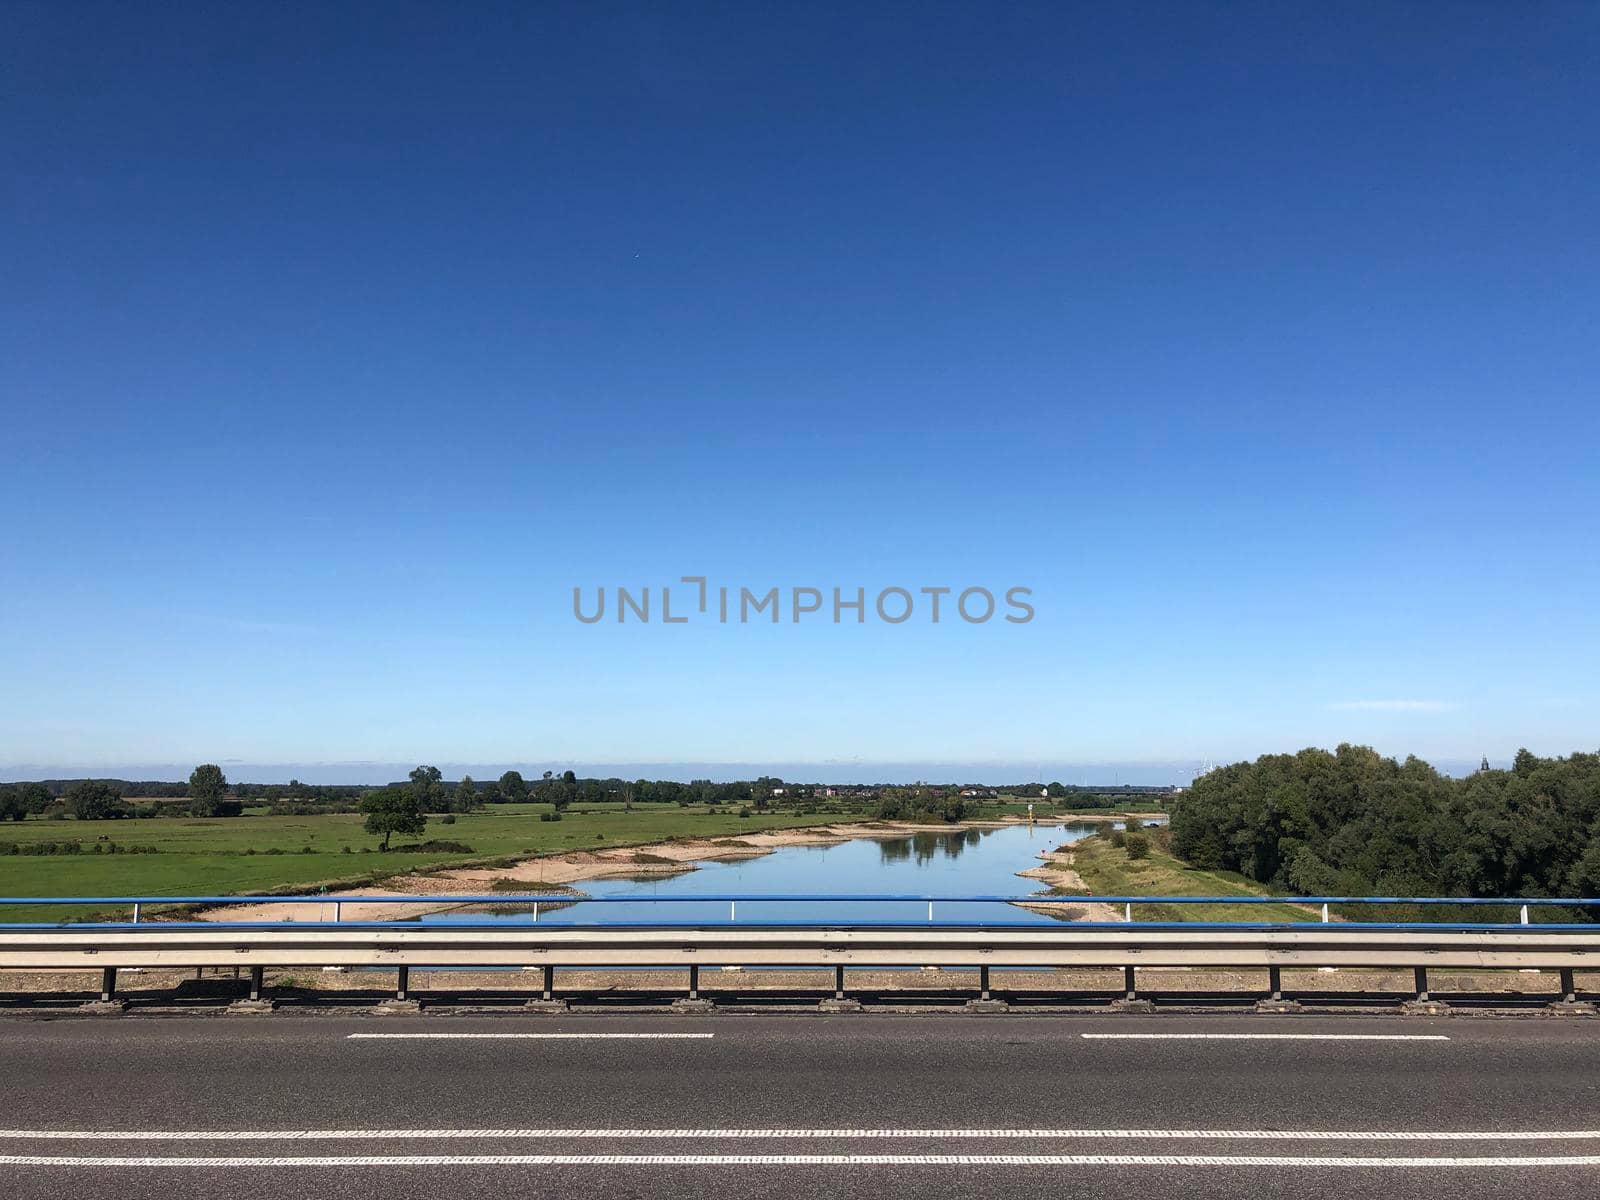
1569 986
256 973
838 981
694 981
548 992
983 982
401 982
108 985
1420 976
1275 982
1130 989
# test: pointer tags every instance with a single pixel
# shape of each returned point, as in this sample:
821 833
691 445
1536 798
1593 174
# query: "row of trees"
927 806
1355 823
210 794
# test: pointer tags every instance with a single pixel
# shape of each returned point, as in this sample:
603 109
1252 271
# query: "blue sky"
340 344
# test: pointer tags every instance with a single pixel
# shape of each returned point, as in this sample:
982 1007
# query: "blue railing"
534 902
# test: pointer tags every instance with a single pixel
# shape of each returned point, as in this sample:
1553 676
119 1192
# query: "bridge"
1060 1095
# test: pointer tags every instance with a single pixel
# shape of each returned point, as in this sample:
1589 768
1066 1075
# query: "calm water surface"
961 862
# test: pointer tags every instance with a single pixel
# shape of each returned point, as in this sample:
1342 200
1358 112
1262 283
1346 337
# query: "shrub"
433 847
1137 845
448 819
744 812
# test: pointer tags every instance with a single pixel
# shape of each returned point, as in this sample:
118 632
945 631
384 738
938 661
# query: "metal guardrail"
534 901
464 942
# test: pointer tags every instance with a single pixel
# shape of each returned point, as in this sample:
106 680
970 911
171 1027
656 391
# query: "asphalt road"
1018 1107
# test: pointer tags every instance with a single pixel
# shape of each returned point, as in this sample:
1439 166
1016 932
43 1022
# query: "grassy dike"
1107 870
265 854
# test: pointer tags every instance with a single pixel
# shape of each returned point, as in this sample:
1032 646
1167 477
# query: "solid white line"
1276 1135
792 1160
810 1135
413 1037
1267 1037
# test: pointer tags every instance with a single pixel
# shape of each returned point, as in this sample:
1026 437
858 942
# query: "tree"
513 787
207 784
92 800
33 797
427 785
393 810
566 789
11 808
466 794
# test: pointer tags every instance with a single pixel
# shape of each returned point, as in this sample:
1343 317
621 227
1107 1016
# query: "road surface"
750 1106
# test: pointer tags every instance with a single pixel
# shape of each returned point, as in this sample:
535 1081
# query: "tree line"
1355 823
209 793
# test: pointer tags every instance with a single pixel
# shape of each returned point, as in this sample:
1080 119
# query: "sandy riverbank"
557 872
1096 817
1056 870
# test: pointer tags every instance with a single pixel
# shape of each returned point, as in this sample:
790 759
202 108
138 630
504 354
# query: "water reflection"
926 844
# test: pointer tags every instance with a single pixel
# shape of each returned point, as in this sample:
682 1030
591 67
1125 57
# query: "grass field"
254 853
1109 871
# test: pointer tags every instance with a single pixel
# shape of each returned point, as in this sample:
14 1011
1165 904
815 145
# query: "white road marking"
796 1160
1277 1135
1267 1037
413 1037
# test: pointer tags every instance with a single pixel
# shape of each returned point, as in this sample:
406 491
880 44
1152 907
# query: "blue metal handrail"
789 898
564 900
1341 928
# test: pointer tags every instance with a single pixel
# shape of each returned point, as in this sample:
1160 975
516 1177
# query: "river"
960 862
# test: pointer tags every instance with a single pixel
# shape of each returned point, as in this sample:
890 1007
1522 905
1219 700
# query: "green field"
1074 806
256 853
1108 871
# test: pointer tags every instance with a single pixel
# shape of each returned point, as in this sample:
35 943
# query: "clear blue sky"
339 343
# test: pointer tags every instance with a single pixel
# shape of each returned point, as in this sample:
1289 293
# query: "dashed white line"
1278 1135
458 1037
1266 1037
803 1160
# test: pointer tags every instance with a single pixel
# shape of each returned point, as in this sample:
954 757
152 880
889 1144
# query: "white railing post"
336 908
930 912
1324 914
1127 912
1524 914
536 910
135 912
733 910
